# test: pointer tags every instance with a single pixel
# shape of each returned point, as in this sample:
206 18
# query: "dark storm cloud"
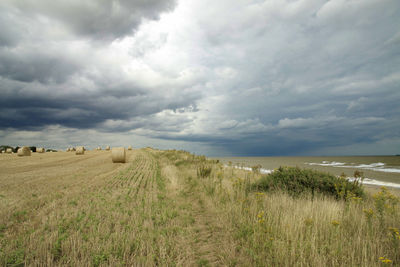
50 76
99 19
42 66
82 110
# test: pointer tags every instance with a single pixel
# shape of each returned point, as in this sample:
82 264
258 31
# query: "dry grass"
159 209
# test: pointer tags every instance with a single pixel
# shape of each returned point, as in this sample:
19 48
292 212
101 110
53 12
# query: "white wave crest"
378 166
327 163
263 171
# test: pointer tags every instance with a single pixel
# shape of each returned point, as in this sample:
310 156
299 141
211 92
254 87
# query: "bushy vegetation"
15 149
297 181
4 148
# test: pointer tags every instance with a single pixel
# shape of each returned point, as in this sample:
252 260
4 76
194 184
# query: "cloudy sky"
243 77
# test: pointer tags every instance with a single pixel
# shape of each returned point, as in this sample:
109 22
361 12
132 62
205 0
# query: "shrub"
298 181
203 171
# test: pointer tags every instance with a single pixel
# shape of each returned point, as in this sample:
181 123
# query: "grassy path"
205 240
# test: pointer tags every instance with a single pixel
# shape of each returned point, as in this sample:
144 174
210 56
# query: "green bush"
298 181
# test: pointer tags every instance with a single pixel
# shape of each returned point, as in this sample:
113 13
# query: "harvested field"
57 209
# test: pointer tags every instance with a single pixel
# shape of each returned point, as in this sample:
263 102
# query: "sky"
220 78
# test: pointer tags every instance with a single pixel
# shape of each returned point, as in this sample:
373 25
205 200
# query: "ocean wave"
378 166
263 171
327 163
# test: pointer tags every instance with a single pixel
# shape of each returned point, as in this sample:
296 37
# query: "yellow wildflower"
385 260
368 212
395 232
308 221
335 223
356 199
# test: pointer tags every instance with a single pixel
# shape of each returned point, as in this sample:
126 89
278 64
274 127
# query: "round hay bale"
67 150
40 150
80 150
118 154
98 148
107 147
9 150
129 147
24 151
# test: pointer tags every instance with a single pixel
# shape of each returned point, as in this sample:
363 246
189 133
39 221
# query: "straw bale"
40 150
118 154
24 151
107 147
98 148
80 150
129 147
9 150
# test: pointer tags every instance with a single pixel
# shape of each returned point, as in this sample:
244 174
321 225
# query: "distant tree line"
15 149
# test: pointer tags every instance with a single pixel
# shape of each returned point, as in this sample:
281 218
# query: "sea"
377 170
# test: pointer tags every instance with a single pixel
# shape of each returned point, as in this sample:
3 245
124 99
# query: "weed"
20 216
3 228
203 263
73 203
385 202
99 258
204 171
256 168
16 258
